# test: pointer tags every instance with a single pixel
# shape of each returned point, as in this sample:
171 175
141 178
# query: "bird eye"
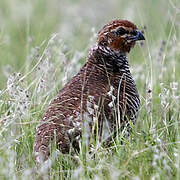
121 31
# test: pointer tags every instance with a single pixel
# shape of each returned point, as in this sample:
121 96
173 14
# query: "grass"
36 62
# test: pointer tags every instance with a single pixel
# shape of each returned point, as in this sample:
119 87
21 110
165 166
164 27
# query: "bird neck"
112 61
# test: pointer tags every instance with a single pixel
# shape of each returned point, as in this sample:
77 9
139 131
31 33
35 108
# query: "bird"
102 97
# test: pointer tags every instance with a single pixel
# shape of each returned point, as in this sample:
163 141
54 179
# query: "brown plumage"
103 93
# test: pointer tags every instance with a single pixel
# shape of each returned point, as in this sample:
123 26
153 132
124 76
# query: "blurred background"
25 24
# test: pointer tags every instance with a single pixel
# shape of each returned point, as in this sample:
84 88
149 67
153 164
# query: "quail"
103 94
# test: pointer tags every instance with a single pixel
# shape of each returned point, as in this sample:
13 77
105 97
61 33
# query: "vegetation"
44 43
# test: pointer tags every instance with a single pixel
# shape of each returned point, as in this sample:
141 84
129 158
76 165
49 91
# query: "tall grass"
44 43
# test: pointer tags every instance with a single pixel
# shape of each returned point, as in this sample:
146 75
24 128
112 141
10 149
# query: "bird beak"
138 35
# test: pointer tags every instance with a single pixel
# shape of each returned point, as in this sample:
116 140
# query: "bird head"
119 35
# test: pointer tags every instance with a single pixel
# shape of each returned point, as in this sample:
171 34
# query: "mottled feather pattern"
107 69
